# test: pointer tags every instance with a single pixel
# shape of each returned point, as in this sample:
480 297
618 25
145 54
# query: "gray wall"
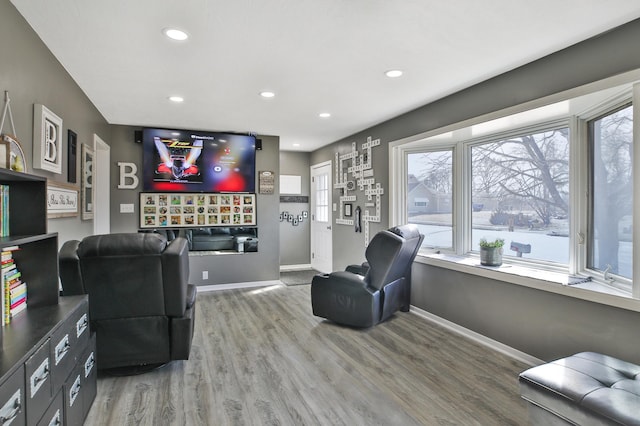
295 240
32 75
543 324
222 268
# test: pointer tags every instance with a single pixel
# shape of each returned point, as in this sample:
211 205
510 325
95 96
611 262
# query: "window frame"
462 257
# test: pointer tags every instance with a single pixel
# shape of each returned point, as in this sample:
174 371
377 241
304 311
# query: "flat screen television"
195 161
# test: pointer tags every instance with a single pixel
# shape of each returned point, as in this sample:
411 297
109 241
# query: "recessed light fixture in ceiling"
324 115
267 94
175 34
176 99
296 145
393 73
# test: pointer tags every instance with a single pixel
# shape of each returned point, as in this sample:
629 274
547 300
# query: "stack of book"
4 210
14 292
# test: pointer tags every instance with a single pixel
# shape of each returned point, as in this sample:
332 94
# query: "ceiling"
316 56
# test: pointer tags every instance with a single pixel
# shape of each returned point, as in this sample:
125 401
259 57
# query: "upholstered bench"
584 389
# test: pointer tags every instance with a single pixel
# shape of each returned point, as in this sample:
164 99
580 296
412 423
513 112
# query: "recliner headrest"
129 244
407 231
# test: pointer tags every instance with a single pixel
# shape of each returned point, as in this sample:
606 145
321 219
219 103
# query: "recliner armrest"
175 275
69 269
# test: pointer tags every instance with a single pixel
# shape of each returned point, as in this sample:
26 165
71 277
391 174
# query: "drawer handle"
55 420
82 325
62 348
39 376
17 406
88 365
74 391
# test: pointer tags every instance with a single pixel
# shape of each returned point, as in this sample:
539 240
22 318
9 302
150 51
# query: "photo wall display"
175 210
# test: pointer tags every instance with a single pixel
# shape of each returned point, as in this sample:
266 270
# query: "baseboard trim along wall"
479 338
235 286
287 268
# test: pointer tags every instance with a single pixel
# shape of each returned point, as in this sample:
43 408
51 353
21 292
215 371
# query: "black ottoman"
584 389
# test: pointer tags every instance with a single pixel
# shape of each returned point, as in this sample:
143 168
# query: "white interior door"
101 190
321 233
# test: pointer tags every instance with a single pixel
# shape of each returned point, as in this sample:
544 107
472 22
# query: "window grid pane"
430 196
610 243
520 193
322 198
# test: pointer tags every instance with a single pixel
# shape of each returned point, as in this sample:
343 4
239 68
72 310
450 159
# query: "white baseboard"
235 286
479 338
287 268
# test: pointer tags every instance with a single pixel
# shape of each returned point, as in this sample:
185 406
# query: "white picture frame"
47 139
62 200
87 163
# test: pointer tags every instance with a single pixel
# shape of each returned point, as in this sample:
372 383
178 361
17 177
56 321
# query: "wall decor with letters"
47 139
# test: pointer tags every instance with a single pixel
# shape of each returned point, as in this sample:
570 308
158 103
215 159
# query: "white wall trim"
479 338
235 286
301 267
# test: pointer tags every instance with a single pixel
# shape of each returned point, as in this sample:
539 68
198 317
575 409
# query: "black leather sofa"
587 388
214 239
140 303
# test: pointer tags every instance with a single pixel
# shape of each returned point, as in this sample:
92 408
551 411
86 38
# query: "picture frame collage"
187 210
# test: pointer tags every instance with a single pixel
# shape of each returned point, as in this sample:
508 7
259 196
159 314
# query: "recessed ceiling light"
267 94
176 99
393 73
324 115
296 144
175 34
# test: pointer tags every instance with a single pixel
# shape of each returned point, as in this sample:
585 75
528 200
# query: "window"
429 196
322 198
520 193
611 204
555 182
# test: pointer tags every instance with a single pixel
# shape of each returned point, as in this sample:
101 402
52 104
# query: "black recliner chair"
367 294
140 303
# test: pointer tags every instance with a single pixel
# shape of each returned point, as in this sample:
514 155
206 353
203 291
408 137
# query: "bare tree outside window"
520 192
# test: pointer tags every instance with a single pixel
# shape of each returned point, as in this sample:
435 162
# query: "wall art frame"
47 139
197 209
62 200
72 149
87 163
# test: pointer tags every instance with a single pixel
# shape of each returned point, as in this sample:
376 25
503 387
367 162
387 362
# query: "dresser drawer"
38 383
54 415
12 399
67 344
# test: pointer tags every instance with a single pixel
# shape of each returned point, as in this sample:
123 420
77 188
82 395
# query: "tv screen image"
192 161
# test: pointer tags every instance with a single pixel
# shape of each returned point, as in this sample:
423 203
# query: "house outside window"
429 196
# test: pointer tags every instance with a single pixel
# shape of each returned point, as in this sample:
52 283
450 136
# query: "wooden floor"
260 357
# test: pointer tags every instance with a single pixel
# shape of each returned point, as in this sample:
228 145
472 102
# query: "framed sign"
62 200
181 210
47 139
87 182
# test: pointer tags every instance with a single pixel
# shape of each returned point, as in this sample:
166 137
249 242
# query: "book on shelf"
4 210
14 290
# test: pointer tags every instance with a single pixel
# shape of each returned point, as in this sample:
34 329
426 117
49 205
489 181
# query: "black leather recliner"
349 298
140 303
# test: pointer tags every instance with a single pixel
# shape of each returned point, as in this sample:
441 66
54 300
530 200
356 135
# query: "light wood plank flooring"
260 357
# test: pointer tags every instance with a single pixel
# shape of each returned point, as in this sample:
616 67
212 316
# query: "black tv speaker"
258 144
137 136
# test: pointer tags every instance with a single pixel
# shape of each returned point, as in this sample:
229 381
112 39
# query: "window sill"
554 282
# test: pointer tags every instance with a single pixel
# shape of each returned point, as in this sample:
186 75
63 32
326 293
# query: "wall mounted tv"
195 161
